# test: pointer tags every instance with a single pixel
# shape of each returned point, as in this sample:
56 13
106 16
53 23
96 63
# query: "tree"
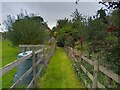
28 30
95 35
102 15
78 25
111 4
77 15
112 54
61 24
8 23
70 31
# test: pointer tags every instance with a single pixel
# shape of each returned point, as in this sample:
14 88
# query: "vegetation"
26 30
97 35
23 30
9 54
59 73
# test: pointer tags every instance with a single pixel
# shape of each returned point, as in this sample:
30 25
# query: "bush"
29 30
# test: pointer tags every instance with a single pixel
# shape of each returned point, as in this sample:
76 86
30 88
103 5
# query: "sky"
50 10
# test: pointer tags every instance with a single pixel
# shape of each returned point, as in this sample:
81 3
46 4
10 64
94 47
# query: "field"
9 54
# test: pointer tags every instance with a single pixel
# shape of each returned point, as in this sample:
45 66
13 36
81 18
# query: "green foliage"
4 35
99 40
95 30
26 29
69 32
112 54
62 31
9 53
95 35
66 34
77 16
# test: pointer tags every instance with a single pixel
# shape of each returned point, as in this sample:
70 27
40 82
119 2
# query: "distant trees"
27 29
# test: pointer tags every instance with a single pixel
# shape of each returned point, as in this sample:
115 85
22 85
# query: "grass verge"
9 54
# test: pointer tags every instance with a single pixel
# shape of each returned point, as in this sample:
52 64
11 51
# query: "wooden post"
34 67
19 51
25 48
95 75
52 49
49 54
43 61
80 58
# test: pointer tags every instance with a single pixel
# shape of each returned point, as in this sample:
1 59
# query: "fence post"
80 58
43 61
95 75
34 67
25 48
52 49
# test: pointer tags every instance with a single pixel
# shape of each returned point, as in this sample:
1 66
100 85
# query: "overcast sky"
50 11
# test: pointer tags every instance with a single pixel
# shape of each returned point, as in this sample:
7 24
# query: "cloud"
49 0
50 11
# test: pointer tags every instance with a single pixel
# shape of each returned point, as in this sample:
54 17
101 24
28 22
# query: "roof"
48 28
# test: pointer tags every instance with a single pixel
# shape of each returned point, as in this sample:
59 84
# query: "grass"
7 79
9 54
0 62
59 73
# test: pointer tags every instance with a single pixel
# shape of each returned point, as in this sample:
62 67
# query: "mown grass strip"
59 73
